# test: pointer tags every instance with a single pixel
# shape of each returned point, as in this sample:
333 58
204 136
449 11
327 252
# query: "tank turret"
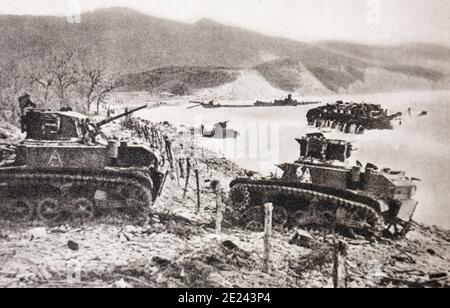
316 146
62 125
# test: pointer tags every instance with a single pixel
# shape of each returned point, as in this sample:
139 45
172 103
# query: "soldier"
25 103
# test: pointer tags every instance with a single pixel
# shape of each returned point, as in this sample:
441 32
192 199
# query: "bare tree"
66 75
12 84
89 84
96 85
43 77
108 85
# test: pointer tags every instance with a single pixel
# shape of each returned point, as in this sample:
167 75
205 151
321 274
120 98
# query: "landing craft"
287 102
351 117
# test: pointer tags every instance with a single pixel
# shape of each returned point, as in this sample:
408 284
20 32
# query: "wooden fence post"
163 183
219 209
181 166
268 210
199 202
340 267
188 175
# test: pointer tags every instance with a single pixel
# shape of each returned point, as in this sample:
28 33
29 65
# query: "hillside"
135 45
181 80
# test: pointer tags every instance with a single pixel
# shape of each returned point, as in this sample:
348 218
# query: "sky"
365 21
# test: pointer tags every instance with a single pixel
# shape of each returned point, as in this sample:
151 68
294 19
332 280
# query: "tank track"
61 196
304 205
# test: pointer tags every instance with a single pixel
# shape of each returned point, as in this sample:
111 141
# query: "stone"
122 284
73 246
303 239
414 236
161 261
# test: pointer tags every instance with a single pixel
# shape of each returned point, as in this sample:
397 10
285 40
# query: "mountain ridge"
131 43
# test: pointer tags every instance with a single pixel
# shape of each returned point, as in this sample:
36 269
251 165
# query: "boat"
287 102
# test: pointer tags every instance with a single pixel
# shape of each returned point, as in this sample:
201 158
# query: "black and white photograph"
245 146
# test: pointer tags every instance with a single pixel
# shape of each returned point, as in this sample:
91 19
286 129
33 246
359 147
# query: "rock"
122 284
156 219
124 237
45 275
26 277
73 246
161 261
414 236
358 242
303 239
230 245
3 236
59 230
438 276
404 258
160 279
101 195
431 252
37 233
220 281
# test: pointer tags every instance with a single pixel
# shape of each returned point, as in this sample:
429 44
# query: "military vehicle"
287 102
219 130
320 191
64 170
279 103
351 117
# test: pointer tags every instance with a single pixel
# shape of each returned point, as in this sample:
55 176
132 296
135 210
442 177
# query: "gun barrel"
109 120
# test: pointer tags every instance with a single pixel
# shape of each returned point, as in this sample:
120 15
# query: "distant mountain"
141 47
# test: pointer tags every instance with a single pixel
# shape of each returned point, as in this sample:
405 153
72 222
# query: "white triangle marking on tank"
307 177
300 172
55 160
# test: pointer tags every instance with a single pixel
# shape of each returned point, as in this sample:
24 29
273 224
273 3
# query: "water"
420 145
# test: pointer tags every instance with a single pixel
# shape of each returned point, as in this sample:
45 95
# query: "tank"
321 191
64 170
351 117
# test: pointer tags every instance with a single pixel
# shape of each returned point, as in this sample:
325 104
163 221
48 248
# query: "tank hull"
326 197
306 205
67 180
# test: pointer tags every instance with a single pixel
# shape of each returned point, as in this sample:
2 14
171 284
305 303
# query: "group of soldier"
178 155
147 131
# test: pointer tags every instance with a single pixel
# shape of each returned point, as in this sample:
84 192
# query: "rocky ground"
179 247
9 135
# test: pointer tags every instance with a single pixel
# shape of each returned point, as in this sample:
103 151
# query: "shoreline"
179 248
